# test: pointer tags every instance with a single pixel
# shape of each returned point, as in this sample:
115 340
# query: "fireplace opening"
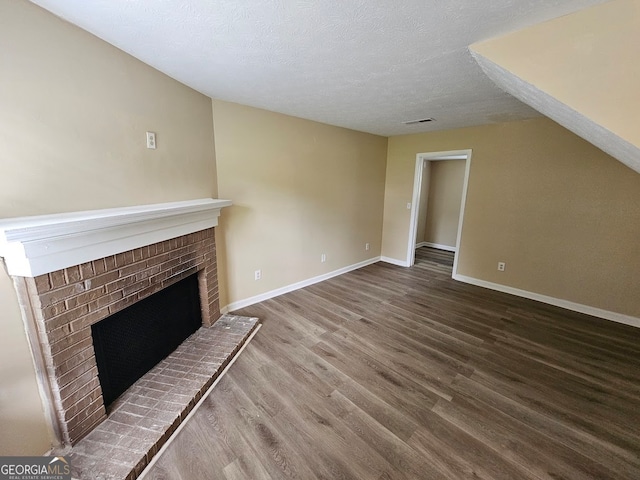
131 342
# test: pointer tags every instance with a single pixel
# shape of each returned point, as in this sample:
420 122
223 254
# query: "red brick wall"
64 304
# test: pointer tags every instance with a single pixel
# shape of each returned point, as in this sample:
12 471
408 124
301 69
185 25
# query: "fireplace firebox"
131 342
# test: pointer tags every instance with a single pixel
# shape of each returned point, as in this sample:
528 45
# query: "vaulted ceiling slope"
368 65
581 70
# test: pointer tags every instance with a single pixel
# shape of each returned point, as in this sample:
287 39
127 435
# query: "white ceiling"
361 64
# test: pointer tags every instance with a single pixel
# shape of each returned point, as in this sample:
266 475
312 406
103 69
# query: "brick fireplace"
73 270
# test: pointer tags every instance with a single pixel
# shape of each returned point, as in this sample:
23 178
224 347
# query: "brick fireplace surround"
65 303
60 298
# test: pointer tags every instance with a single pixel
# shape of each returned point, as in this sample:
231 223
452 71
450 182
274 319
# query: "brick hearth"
142 419
65 303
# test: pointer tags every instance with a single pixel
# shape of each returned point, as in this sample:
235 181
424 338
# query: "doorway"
421 186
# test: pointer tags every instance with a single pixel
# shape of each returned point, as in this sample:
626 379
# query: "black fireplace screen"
131 342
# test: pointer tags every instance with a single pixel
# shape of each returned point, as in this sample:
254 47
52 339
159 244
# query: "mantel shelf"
33 246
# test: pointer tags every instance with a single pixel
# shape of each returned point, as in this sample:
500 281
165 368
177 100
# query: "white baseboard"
436 245
576 307
393 261
295 286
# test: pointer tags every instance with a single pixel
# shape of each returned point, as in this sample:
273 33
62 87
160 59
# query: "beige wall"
587 60
563 215
423 203
73 116
23 429
299 189
443 207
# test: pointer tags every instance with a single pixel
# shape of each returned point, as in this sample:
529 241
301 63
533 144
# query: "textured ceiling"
361 64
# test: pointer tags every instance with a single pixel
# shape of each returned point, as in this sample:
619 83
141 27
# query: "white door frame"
417 189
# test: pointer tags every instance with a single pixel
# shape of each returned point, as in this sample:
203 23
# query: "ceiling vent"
422 120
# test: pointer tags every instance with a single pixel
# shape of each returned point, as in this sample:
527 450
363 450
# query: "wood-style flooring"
395 373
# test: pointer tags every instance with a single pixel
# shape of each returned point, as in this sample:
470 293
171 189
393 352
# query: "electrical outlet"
408 206
257 275
323 258
151 140
501 266
367 246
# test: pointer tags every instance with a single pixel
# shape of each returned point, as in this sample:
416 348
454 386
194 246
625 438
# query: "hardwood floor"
394 373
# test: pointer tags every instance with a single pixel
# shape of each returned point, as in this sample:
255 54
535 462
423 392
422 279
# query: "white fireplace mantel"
33 246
